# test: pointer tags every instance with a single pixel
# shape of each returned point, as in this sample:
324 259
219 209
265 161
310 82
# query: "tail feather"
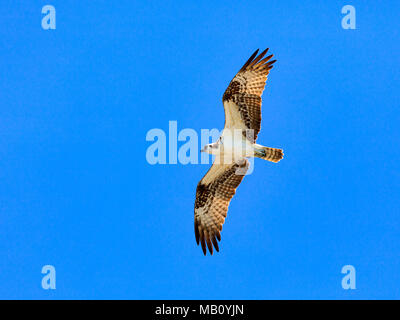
270 154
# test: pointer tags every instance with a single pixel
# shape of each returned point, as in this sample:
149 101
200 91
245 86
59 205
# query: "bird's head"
212 148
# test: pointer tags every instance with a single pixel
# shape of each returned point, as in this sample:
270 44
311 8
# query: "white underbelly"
236 145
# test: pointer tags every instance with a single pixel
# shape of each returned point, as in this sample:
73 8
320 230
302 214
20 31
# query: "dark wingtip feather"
203 244
215 243
271 64
267 58
249 60
196 231
210 247
256 60
208 241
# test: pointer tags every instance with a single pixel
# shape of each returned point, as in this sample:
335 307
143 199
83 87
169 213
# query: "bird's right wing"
213 195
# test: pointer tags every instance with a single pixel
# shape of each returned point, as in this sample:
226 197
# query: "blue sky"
77 193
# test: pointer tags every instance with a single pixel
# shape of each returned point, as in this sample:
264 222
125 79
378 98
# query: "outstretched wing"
213 194
242 98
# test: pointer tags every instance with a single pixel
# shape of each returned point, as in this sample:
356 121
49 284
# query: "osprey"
242 104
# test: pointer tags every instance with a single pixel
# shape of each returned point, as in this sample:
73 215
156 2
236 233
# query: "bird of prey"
242 104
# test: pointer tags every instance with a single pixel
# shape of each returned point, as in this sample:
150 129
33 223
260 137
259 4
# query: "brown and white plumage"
213 194
242 104
242 98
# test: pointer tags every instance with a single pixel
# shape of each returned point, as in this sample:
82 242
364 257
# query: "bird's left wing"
213 195
242 98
